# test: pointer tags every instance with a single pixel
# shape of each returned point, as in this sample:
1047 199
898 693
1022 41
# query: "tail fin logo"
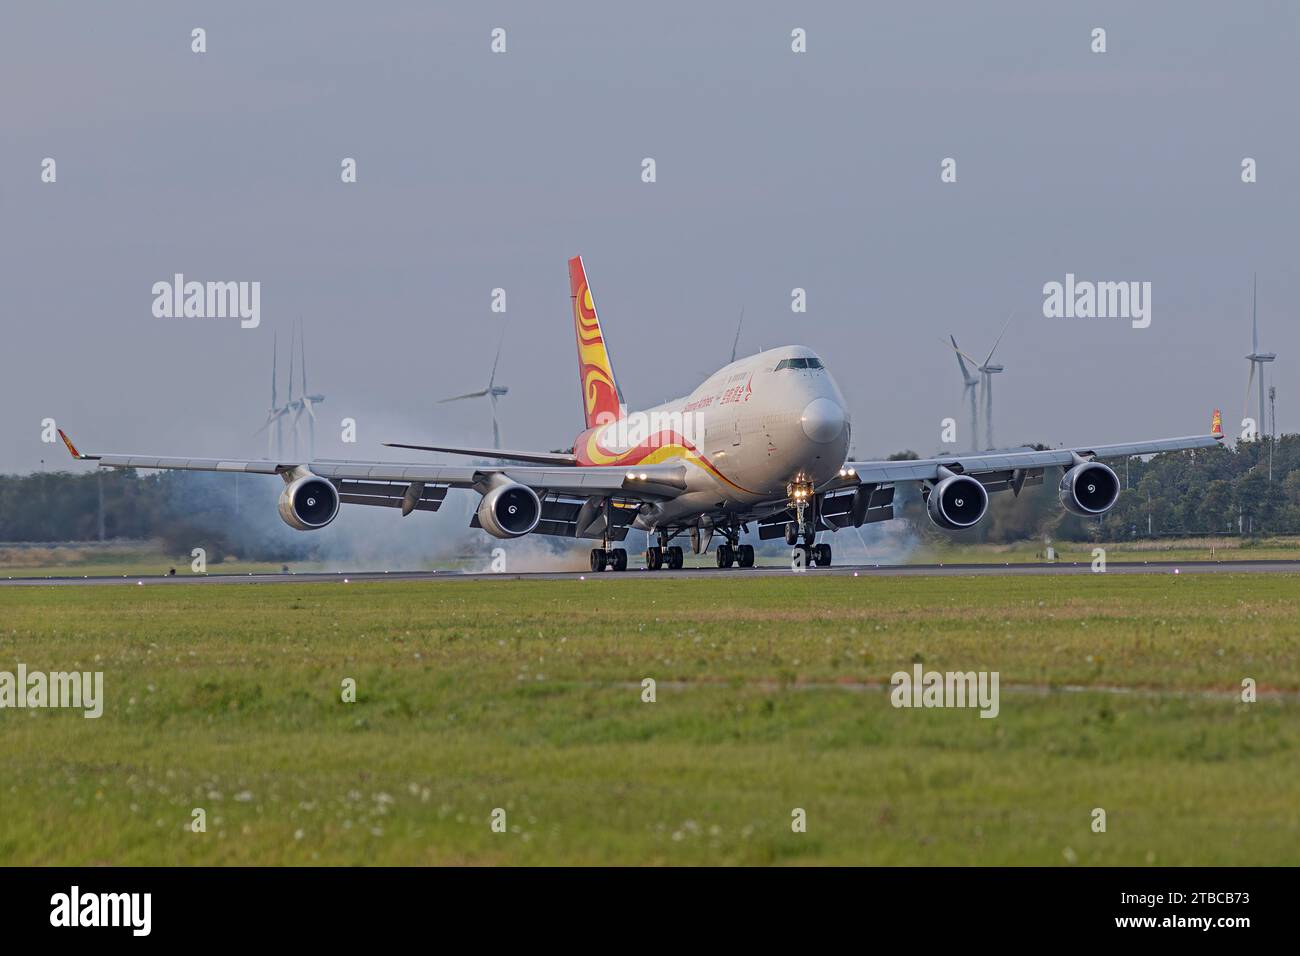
1216 423
68 441
600 397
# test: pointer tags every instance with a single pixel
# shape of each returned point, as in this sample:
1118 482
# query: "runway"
695 574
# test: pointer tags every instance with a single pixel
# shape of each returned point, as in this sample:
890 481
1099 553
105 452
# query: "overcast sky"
775 170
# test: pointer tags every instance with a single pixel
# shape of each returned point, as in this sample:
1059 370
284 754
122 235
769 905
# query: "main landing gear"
664 555
614 559
812 555
738 554
732 552
659 556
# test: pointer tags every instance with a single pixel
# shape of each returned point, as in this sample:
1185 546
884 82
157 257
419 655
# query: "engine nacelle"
957 502
1089 489
510 510
309 503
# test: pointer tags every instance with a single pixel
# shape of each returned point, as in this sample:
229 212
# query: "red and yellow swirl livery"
656 449
600 396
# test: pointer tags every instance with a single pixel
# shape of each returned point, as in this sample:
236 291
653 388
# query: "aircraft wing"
863 492
646 483
979 464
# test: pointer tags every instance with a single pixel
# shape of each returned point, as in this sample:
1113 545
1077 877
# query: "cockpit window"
798 363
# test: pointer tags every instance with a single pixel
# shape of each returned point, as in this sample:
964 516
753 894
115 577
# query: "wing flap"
392 494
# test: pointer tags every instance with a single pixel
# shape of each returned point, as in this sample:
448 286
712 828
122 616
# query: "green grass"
1171 549
134 559
109 559
526 696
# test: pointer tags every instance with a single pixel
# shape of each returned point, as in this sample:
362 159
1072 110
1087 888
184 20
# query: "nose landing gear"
804 504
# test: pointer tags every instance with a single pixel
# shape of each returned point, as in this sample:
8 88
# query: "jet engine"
1089 489
957 502
510 510
309 503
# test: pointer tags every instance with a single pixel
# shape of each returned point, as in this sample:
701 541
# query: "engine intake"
510 510
957 502
309 503
1089 489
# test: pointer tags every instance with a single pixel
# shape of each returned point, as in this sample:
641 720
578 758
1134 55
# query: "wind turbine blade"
302 344
962 358
457 398
496 428
736 341
998 340
292 333
272 417
1254 322
493 377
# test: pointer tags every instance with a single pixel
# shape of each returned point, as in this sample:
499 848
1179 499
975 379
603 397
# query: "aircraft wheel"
618 559
791 534
822 555
597 559
745 555
654 558
726 556
675 558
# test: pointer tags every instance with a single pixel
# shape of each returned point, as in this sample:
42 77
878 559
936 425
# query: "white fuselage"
752 428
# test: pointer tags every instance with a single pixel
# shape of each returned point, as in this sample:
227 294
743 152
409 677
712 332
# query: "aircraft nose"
823 420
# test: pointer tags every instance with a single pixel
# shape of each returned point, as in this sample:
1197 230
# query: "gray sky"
775 170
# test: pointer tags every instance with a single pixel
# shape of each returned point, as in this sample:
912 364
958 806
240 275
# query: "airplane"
764 441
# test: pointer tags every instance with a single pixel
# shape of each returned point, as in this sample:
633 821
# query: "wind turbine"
969 384
987 370
492 393
307 402
274 415
1256 358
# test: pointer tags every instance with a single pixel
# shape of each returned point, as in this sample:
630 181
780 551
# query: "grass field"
1117 692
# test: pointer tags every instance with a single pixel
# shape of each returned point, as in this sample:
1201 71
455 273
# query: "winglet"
71 447
1216 425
